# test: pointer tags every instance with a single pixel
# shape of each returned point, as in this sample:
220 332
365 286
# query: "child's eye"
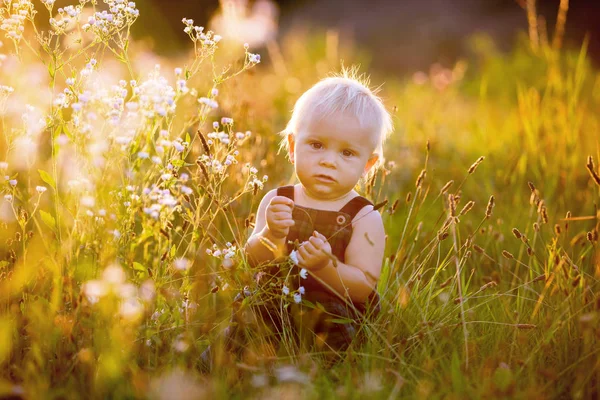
347 153
316 145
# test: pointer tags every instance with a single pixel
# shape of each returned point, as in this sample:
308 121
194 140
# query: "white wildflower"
297 297
294 258
181 264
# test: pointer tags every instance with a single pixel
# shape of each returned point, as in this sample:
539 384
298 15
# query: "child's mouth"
324 178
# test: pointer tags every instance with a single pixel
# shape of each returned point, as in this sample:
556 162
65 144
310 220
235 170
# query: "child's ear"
371 162
291 146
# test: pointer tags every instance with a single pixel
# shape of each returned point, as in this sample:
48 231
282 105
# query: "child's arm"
273 221
359 274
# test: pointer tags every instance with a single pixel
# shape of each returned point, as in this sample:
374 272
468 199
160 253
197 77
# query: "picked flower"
303 271
285 290
294 258
40 189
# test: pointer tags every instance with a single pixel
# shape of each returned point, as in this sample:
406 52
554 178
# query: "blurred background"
401 35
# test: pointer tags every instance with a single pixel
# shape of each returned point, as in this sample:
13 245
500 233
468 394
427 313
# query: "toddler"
334 236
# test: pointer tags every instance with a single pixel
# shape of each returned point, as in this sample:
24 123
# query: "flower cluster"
120 14
13 16
65 17
197 34
114 282
225 253
253 182
156 96
297 295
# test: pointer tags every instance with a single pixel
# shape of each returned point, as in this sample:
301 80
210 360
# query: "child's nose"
328 160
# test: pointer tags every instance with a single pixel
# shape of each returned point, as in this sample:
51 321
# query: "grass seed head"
467 208
379 205
420 178
544 214
530 251
490 207
592 170
408 197
452 205
446 282
473 167
526 326
507 255
395 205
478 249
488 285
517 234
445 188
557 229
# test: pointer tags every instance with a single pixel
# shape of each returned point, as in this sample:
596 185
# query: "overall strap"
286 191
354 206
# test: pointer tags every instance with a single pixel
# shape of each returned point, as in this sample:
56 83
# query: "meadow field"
130 182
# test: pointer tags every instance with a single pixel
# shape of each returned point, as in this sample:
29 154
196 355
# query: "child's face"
331 155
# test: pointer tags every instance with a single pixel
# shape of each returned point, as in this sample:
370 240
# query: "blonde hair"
343 92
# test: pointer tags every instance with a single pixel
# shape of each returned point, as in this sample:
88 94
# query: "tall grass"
125 206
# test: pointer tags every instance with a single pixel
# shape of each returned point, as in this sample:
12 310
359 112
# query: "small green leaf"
173 249
46 177
178 163
342 321
48 220
3 264
187 137
139 267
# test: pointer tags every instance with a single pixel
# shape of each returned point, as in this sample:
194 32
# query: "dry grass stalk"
478 249
559 29
452 205
446 186
204 143
420 178
490 207
466 208
544 213
379 205
394 206
507 255
526 326
443 236
517 234
446 282
473 167
533 27
488 285
592 170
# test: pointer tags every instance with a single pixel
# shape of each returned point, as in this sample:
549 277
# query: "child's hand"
315 253
279 216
